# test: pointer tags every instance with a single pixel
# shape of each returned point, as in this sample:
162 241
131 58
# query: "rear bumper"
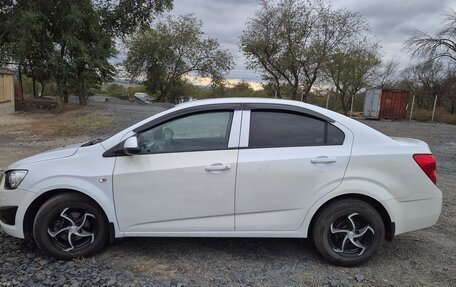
416 214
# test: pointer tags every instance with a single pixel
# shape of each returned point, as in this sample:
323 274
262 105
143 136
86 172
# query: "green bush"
27 88
421 115
139 89
441 115
115 90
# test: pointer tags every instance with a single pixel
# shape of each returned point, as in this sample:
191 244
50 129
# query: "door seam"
236 173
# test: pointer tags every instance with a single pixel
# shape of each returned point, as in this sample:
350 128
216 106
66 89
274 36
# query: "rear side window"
285 129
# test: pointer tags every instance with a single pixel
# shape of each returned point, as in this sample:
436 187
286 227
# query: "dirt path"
26 133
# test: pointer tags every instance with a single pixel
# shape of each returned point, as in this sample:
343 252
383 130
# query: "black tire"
353 221
75 213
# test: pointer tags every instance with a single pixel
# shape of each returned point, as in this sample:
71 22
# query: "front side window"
196 132
285 129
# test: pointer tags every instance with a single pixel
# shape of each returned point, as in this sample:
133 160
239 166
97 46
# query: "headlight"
14 177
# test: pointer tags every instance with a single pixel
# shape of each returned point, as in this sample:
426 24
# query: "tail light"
428 165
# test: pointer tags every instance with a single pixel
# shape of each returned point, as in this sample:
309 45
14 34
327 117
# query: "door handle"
217 167
323 159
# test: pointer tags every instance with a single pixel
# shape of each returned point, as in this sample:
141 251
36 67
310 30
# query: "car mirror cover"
131 146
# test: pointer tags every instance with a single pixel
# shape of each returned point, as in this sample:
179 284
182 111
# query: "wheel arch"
36 204
386 218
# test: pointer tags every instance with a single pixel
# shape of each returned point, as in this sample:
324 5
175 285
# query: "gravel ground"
421 258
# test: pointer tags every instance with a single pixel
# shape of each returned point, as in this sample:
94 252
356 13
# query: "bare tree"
440 45
408 80
430 74
435 75
388 73
448 91
425 81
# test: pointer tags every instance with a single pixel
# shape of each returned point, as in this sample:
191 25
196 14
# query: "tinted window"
283 129
205 131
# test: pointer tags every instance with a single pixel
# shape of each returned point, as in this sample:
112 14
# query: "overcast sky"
391 22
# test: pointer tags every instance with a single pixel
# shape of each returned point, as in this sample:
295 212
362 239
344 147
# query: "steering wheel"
163 140
167 134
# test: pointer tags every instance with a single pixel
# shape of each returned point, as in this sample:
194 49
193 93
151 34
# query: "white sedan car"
227 168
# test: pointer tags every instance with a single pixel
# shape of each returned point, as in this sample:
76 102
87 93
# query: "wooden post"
433 109
411 110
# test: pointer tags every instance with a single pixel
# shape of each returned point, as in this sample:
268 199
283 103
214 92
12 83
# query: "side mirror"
130 146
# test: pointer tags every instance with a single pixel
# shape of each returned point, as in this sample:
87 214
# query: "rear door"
286 160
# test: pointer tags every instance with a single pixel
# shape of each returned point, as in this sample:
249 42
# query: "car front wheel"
348 232
70 225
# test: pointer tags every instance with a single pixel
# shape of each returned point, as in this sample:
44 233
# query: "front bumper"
16 200
8 214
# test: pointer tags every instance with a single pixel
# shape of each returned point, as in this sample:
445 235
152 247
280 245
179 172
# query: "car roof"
325 113
240 101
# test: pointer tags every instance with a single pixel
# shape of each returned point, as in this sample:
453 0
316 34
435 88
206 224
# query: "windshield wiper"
92 142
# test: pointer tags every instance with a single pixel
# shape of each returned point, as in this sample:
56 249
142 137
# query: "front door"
182 180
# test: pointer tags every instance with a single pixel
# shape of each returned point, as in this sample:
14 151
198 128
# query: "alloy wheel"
350 235
72 229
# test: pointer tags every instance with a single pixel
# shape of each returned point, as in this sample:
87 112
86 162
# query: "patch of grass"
80 124
163 271
447 118
441 116
421 115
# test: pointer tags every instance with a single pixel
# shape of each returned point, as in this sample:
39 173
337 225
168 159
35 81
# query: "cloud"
225 21
391 21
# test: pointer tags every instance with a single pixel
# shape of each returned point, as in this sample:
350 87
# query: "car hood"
61 152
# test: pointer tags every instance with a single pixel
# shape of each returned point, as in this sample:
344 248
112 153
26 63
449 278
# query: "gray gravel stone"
111 282
30 255
360 277
43 261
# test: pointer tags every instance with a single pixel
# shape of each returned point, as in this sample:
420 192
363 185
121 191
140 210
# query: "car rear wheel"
348 232
70 225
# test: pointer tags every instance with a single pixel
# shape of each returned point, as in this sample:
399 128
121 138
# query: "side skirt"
254 234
